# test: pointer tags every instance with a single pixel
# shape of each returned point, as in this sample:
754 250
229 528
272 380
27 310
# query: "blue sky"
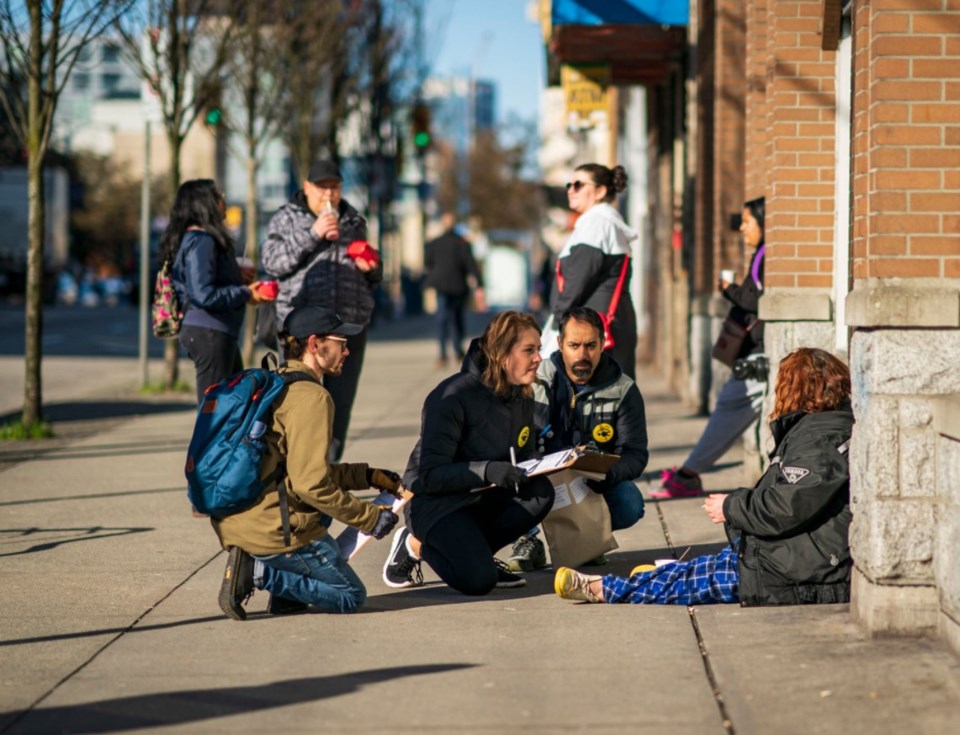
497 40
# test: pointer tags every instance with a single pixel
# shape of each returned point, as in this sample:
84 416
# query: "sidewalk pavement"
109 620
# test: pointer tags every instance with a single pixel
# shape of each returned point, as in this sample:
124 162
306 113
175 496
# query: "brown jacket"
300 433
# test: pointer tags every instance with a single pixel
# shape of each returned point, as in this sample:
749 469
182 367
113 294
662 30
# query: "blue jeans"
315 574
625 503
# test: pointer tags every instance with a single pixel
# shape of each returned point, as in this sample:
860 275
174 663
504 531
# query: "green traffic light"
421 140
214 116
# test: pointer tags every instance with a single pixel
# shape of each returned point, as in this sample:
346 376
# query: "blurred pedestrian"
208 280
311 250
593 269
789 533
452 271
741 397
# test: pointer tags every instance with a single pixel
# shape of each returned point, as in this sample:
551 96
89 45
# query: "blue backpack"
228 444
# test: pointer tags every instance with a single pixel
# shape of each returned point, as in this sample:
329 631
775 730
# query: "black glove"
385 523
598 486
505 475
384 480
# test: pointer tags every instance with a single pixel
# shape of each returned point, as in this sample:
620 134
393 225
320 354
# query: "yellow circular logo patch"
524 436
603 432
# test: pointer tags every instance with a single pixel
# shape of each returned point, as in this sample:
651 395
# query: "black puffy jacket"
463 427
794 524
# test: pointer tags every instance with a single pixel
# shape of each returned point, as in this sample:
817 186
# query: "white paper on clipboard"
352 540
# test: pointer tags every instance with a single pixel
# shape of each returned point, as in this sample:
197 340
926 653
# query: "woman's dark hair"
198 204
812 381
757 211
615 179
498 339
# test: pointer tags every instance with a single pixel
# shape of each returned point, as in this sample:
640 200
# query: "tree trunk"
171 350
252 252
33 312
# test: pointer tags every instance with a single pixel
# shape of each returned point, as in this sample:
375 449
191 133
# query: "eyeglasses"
334 338
578 185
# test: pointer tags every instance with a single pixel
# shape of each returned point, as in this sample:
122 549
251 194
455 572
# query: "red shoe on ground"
675 485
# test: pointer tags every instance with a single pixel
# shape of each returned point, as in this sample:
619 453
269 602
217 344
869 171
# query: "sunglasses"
578 185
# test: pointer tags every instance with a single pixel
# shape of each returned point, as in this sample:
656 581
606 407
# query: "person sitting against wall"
789 534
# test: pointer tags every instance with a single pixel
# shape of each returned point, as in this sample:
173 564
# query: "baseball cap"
324 170
306 320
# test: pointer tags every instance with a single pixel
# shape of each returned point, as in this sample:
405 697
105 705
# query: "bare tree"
179 47
321 65
258 64
42 40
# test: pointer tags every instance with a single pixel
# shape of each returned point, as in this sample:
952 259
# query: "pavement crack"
725 719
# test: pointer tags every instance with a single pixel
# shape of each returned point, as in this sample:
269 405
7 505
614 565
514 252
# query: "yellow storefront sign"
585 88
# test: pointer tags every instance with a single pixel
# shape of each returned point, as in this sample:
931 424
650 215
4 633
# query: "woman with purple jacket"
740 399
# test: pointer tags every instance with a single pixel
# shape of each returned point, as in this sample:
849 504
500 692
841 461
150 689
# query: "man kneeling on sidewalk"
309 570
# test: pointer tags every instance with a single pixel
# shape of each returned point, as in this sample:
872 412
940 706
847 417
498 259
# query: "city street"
109 620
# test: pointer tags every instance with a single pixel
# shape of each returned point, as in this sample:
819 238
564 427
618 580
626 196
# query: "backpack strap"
277 476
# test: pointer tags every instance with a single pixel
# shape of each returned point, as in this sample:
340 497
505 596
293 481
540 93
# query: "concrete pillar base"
892 609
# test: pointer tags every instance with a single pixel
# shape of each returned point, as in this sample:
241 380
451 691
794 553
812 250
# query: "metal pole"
145 257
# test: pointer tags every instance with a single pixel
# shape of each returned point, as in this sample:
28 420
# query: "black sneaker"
528 553
401 569
505 578
237 585
285 606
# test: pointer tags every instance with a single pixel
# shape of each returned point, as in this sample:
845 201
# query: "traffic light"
420 122
214 116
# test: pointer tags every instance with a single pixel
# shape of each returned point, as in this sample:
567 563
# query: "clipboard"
583 459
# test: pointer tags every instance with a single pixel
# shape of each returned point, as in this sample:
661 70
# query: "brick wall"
800 122
906 141
756 140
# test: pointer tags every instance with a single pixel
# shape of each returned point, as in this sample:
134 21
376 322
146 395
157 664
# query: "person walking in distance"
452 271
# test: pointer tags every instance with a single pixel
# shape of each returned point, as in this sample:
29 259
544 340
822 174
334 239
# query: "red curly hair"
810 380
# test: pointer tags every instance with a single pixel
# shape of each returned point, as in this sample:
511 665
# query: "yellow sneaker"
642 568
571 585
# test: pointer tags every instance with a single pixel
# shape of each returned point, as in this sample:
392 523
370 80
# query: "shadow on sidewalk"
52 538
198 705
112 409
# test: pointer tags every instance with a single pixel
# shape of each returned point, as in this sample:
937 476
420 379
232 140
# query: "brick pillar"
756 131
801 107
905 306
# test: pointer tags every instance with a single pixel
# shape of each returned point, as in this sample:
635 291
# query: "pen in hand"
513 461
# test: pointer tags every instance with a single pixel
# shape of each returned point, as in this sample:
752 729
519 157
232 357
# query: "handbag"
577 528
608 318
166 314
730 341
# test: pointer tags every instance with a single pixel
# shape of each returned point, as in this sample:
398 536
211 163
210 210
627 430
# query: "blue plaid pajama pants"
703 580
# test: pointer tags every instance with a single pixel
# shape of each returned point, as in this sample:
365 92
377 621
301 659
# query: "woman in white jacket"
593 268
